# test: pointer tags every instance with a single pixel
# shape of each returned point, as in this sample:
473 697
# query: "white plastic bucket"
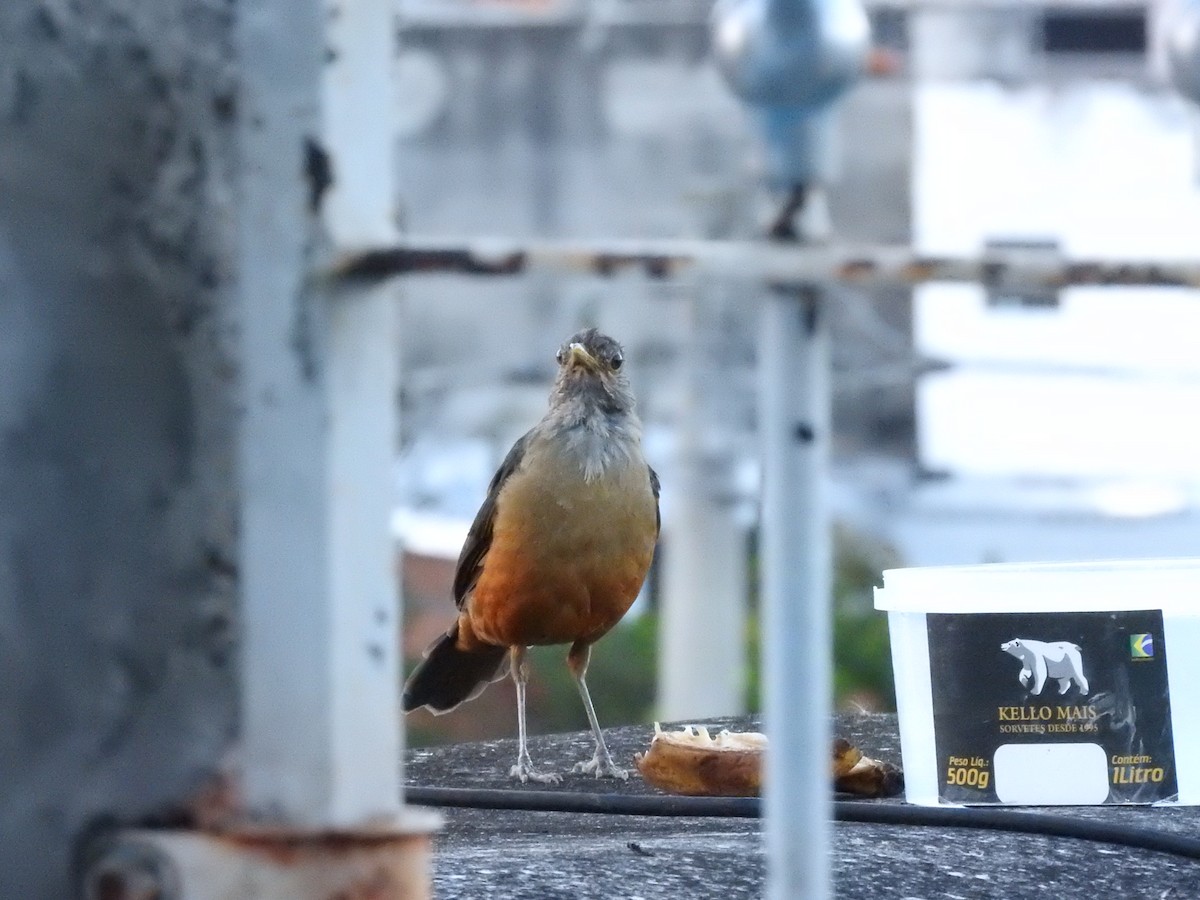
1048 683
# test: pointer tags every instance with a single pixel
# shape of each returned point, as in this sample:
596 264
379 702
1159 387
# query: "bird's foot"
524 772
601 766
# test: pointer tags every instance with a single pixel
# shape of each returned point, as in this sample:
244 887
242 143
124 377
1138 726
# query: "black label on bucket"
1041 708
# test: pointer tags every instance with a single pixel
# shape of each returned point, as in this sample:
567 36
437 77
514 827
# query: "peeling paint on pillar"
117 513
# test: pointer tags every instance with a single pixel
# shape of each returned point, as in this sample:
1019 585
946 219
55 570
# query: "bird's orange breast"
568 556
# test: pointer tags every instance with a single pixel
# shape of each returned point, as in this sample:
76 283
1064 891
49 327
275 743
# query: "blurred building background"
610 120
969 428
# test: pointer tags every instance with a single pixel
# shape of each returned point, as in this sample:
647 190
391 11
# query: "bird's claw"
525 772
601 767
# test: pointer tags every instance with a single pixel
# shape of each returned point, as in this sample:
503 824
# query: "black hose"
578 802
860 811
994 819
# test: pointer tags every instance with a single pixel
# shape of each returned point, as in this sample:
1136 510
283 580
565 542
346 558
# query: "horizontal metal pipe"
865 266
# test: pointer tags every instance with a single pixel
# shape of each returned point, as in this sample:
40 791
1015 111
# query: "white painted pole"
358 123
286 664
321 724
359 135
702 660
794 427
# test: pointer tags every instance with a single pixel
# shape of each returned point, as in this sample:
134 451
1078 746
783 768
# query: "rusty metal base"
385 862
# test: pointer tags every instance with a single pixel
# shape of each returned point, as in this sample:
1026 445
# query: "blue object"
789 60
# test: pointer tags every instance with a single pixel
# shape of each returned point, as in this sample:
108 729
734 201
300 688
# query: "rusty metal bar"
864 266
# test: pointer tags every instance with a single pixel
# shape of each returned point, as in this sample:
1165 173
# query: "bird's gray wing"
479 538
656 487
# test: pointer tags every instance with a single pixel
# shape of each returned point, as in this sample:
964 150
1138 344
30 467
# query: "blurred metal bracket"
1038 254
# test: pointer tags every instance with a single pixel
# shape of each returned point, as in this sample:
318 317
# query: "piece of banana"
691 761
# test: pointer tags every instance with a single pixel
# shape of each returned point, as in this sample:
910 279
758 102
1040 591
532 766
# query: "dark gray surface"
117 503
482 854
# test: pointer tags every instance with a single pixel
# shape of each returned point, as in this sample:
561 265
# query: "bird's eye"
617 361
559 357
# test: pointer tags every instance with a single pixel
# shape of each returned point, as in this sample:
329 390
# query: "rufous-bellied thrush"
559 549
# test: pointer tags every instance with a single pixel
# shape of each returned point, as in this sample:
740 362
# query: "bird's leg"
524 769
601 764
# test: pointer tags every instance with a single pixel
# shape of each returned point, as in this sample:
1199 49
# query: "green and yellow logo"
1141 646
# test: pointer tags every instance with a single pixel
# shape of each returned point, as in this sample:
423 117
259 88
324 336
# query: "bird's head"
590 370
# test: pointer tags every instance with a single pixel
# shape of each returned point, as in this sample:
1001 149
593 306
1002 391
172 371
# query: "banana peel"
858 774
693 762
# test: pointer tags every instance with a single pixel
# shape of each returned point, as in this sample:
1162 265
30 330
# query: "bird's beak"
580 357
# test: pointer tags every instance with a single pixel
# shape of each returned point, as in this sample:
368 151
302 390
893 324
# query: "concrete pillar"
118 554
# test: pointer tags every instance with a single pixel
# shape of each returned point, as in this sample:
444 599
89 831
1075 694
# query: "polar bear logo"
1041 660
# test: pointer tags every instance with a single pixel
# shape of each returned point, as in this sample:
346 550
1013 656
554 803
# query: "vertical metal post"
321 729
794 427
358 133
702 665
320 711
702 660
358 123
286 667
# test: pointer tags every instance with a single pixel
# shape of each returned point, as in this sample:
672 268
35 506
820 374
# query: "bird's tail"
449 675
